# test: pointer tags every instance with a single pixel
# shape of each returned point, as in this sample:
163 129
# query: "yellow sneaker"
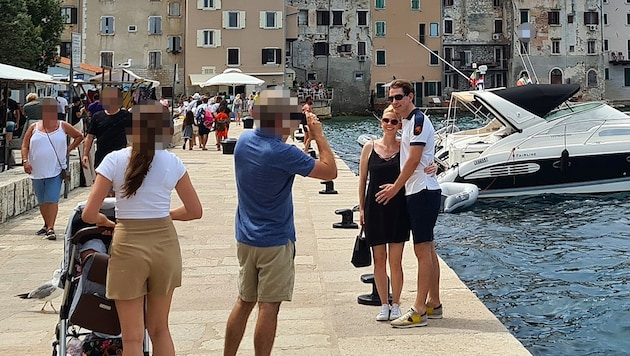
410 319
434 312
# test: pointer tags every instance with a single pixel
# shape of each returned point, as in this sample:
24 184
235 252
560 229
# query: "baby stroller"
88 322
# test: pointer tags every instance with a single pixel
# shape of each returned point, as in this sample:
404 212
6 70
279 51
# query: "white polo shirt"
418 130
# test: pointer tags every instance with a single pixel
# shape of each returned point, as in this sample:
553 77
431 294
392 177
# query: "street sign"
76 50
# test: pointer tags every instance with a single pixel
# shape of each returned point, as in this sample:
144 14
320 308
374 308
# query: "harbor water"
553 268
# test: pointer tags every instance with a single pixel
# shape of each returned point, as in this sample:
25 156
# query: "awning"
9 72
197 79
121 75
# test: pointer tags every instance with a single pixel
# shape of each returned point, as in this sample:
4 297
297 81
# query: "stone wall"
16 190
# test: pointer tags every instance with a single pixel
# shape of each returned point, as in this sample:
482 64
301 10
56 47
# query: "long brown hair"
149 121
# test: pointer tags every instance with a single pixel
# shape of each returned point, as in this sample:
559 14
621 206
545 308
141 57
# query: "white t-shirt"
214 107
62 103
153 198
421 134
199 107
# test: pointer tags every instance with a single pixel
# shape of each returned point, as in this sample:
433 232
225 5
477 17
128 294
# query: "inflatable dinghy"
458 196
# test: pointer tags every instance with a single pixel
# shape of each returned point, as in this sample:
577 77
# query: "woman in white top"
238 108
145 258
44 151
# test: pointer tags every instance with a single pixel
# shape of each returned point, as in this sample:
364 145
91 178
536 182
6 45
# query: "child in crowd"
187 130
221 127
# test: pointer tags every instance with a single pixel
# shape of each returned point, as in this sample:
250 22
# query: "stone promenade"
324 317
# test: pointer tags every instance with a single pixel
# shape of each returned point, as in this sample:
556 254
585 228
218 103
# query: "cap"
196 96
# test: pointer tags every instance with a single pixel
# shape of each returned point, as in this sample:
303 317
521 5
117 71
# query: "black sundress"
385 223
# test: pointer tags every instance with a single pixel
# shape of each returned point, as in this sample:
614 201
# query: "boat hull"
602 173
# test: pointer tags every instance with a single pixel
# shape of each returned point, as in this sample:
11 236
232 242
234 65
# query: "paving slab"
323 319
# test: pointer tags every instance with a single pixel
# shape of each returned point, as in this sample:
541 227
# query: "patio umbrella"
232 77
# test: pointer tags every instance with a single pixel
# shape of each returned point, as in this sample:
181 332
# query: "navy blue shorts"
423 208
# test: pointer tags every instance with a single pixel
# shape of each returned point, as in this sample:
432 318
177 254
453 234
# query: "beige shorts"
266 274
195 130
145 259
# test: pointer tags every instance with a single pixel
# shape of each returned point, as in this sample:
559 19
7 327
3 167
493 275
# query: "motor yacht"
536 141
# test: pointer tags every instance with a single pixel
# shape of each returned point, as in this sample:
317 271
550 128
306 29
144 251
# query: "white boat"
364 138
530 145
457 197
298 135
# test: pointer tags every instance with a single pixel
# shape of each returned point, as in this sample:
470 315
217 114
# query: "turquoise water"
554 269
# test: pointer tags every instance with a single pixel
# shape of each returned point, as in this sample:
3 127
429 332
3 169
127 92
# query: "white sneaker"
395 312
384 314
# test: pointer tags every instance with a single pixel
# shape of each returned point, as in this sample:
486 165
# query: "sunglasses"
390 121
397 97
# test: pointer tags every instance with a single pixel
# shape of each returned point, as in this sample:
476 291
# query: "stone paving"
323 319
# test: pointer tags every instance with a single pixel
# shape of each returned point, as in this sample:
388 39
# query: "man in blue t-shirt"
265 167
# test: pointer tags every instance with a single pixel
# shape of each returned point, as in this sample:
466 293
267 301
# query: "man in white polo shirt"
417 149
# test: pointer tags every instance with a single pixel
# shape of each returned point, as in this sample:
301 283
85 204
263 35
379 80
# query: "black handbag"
361 254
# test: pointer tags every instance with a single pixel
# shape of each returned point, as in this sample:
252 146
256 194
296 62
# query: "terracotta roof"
84 66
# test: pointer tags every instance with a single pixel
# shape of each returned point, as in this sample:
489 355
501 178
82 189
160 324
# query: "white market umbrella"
232 77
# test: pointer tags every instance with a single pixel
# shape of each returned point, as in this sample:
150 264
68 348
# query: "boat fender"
564 161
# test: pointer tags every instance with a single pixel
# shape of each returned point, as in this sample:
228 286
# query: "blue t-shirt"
265 168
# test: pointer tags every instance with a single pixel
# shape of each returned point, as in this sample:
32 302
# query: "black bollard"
373 298
313 153
330 188
346 219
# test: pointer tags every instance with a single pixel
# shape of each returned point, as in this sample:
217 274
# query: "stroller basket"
90 310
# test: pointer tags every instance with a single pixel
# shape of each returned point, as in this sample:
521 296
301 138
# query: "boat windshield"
592 111
583 117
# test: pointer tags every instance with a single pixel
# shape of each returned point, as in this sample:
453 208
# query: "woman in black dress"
386 227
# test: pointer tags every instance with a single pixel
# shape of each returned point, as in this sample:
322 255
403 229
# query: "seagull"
125 64
46 292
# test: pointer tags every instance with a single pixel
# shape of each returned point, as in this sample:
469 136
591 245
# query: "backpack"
200 116
208 119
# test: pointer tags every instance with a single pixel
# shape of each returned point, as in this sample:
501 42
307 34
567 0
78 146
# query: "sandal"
50 235
42 231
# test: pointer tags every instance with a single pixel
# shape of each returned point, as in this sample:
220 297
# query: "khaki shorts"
145 258
266 274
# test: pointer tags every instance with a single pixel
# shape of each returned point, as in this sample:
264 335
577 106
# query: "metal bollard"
330 187
346 219
373 298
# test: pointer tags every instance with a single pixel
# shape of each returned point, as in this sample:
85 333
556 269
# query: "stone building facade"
146 39
564 43
333 46
475 34
616 19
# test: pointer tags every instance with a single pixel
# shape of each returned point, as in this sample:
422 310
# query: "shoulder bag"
65 173
361 254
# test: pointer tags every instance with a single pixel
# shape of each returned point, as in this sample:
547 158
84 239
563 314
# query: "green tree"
48 22
30 33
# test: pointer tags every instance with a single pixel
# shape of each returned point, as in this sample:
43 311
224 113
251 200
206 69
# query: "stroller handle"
88 233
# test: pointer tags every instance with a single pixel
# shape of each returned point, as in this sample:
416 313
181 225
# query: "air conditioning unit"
362 57
592 27
496 36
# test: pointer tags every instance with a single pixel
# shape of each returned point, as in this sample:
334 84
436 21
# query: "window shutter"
263 19
278 56
200 38
279 19
103 24
241 19
217 4
263 61
73 16
226 19
217 38
199 4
